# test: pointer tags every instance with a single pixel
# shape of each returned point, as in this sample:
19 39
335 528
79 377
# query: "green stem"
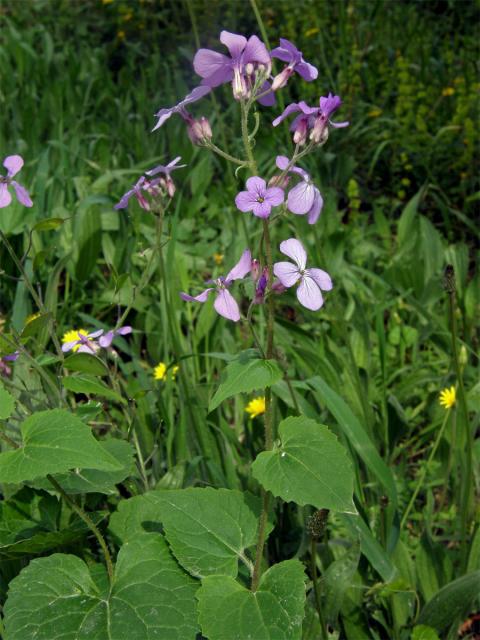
209 145
93 528
316 588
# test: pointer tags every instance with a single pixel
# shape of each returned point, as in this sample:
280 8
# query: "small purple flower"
247 57
87 343
261 287
13 164
259 198
106 340
305 197
225 304
196 94
167 182
288 52
199 131
152 188
312 281
137 191
5 369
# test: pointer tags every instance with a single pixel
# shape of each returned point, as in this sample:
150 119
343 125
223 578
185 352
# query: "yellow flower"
72 335
448 91
218 257
160 371
121 35
374 113
448 397
255 407
311 32
106 1
31 318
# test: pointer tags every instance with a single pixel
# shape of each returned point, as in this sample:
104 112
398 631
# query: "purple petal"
309 295
308 111
287 273
123 203
202 297
226 305
321 277
268 100
13 164
166 169
95 334
307 71
330 104
300 198
242 267
293 248
274 196
234 43
89 347
68 346
106 340
256 51
316 209
5 197
282 162
339 125
292 108
262 209
256 185
210 64
164 114
11 357
124 331
245 201
281 54
22 194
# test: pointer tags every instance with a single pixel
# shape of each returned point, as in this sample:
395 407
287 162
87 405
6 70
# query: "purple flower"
137 189
196 94
13 164
5 369
304 198
259 198
247 57
288 52
225 304
167 182
312 281
153 188
313 119
106 340
86 343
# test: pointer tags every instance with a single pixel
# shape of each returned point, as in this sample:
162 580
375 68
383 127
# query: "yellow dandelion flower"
448 397
160 371
255 407
374 113
448 91
72 335
31 318
218 257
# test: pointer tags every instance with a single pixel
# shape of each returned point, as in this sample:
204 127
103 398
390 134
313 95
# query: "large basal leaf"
57 598
309 466
95 480
90 385
229 611
243 375
53 442
208 529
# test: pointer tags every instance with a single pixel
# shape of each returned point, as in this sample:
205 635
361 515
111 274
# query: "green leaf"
228 611
89 385
48 224
244 375
57 598
451 602
336 580
53 442
85 363
94 480
7 403
35 325
422 632
310 466
357 436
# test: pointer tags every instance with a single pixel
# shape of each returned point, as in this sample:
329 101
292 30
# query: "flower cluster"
13 164
83 342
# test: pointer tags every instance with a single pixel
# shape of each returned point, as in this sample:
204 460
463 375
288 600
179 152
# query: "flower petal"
292 108
68 346
293 248
321 277
317 207
256 185
268 100
274 196
202 297
196 94
124 331
300 198
307 71
5 197
22 194
262 209
208 64
234 42
339 125
226 305
309 295
287 273
242 267
245 200
106 340
13 164
256 51
282 162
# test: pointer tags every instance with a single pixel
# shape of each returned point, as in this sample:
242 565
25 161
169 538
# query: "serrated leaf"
88 385
7 403
229 611
57 598
53 442
310 466
245 375
85 363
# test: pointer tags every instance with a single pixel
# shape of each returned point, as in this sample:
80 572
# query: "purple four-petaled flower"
288 52
13 164
146 187
106 340
5 368
91 342
196 94
259 198
305 197
312 281
225 304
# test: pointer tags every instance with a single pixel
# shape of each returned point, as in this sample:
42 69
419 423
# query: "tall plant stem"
33 293
316 588
93 528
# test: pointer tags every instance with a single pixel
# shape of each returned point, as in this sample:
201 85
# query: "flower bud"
261 287
278 287
300 134
277 181
319 133
199 131
249 69
281 79
255 269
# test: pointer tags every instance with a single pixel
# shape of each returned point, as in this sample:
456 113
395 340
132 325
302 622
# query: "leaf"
94 480
244 375
357 436
35 325
56 598
228 611
7 403
405 222
53 442
48 224
309 467
89 385
85 363
336 580
422 632
207 529
451 602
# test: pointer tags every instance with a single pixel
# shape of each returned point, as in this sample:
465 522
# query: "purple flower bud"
255 269
199 131
281 79
5 368
278 181
261 287
278 287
